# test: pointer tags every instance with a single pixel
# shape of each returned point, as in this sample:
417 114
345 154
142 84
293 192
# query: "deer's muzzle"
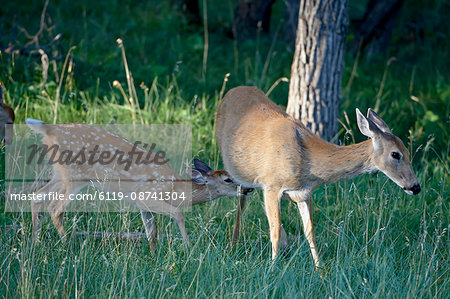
414 189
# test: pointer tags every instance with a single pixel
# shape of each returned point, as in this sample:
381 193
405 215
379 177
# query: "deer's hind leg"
272 207
57 207
38 206
237 225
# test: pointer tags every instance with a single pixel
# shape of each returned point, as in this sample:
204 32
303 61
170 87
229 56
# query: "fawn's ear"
366 126
196 176
378 121
201 166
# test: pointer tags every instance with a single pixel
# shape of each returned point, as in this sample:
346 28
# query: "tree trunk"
316 71
251 16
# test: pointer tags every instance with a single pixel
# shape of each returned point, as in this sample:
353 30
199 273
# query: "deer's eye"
396 155
228 180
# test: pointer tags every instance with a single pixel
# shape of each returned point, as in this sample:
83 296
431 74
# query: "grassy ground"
374 240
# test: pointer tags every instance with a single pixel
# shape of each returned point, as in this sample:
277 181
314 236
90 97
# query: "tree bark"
251 16
316 72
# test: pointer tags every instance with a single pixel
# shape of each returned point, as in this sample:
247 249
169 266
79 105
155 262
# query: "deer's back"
260 144
81 140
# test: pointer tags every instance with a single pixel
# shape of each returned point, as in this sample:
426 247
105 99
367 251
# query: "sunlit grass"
373 239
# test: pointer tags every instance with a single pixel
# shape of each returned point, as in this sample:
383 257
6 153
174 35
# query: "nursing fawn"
128 177
264 147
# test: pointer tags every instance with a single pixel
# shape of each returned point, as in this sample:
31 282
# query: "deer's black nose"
415 189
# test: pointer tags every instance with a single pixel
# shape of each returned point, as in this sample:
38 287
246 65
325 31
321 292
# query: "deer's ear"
201 166
378 121
363 124
366 126
196 176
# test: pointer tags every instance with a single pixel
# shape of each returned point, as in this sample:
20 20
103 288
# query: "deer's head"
219 182
390 155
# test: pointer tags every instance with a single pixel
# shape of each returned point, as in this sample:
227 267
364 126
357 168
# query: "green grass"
373 239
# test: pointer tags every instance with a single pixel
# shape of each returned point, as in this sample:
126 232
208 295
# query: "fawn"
70 178
264 147
6 118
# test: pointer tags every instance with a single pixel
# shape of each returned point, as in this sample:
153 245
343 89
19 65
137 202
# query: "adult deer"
264 147
71 175
6 120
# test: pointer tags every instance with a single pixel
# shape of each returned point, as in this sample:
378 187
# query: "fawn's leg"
168 210
151 230
57 207
179 218
38 206
272 206
56 211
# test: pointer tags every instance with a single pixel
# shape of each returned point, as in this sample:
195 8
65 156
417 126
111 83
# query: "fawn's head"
389 153
218 182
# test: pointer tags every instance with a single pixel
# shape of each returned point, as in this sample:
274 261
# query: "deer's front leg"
305 209
272 205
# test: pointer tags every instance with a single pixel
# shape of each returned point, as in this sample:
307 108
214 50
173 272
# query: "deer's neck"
201 194
332 163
